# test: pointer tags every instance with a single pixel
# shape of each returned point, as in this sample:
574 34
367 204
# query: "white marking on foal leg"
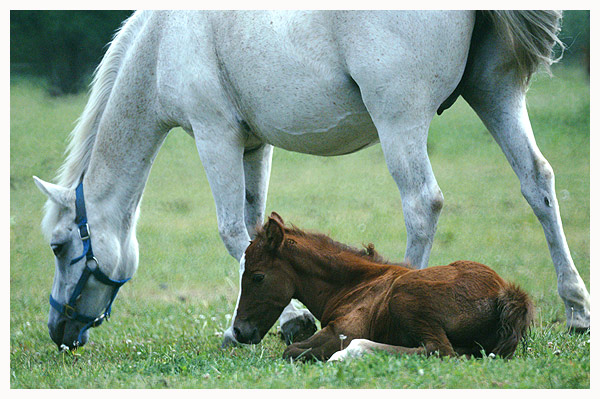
356 348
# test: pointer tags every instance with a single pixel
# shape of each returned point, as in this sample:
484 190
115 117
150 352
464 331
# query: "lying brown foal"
463 308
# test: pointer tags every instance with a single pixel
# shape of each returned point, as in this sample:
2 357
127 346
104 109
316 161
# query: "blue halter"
68 309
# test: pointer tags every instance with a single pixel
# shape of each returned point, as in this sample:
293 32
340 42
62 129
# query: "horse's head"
93 256
267 283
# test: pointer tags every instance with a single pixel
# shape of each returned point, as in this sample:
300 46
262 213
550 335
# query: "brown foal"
463 308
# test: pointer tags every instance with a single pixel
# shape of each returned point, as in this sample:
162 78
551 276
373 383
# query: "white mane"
83 136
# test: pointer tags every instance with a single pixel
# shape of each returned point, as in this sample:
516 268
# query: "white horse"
320 82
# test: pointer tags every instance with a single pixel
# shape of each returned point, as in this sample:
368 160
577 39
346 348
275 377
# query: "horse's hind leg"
296 323
500 103
404 145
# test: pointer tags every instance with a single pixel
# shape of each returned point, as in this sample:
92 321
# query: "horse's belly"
336 135
285 76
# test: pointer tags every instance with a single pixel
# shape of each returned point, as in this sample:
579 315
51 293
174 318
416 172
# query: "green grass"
166 325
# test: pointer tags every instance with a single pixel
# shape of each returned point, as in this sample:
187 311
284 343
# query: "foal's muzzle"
246 333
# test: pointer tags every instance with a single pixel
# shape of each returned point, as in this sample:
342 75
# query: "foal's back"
462 304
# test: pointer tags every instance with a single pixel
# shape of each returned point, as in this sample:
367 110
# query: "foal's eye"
258 277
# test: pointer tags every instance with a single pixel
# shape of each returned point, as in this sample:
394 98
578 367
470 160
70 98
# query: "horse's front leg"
296 323
221 151
257 171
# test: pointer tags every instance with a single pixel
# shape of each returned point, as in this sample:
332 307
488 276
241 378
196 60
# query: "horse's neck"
126 144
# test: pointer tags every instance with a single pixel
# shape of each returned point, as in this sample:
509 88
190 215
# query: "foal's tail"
530 35
516 315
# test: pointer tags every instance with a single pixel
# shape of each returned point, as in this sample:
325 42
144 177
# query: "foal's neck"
323 279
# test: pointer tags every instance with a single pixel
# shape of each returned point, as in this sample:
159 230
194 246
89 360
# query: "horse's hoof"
298 329
578 320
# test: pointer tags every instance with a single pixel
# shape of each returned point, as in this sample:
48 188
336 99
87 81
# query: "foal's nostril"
237 333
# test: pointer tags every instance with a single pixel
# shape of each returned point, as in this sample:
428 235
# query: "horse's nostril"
57 332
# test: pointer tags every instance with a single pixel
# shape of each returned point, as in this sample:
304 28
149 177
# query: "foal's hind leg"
359 347
500 103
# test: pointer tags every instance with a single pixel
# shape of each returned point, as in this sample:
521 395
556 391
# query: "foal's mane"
323 247
83 136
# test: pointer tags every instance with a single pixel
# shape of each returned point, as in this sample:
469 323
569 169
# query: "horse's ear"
60 195
275 215
275 233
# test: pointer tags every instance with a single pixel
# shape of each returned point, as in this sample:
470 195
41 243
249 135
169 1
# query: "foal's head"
267 283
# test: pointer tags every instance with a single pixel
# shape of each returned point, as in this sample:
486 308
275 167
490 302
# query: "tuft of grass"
167 322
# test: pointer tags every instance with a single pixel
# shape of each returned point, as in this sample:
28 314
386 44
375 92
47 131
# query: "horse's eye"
57 248
258 277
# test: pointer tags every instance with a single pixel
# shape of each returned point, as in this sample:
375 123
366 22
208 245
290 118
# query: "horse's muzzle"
246 333
64 332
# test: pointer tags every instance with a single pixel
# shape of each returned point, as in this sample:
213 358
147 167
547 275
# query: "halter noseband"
68 309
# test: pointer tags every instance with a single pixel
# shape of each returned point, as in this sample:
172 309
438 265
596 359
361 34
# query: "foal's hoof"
298 329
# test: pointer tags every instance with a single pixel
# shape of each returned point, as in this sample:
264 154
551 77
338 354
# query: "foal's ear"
275 233
275 215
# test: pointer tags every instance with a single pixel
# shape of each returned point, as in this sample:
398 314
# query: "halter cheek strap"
68 309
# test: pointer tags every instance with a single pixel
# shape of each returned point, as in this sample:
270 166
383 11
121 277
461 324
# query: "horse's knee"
235 237
436 200
422 212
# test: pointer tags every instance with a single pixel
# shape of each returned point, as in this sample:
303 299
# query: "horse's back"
295 77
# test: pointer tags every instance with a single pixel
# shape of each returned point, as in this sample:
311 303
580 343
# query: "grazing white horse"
316 82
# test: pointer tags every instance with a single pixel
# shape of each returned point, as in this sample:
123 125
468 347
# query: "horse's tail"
515 310
530 36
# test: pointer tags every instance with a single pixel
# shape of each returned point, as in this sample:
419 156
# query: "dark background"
62 48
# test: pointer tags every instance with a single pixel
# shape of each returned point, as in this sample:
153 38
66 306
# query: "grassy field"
167 322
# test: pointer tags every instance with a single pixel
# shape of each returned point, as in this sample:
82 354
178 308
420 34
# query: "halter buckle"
99 320
69 310
84 232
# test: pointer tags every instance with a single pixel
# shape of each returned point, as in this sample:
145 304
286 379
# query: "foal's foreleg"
320 346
